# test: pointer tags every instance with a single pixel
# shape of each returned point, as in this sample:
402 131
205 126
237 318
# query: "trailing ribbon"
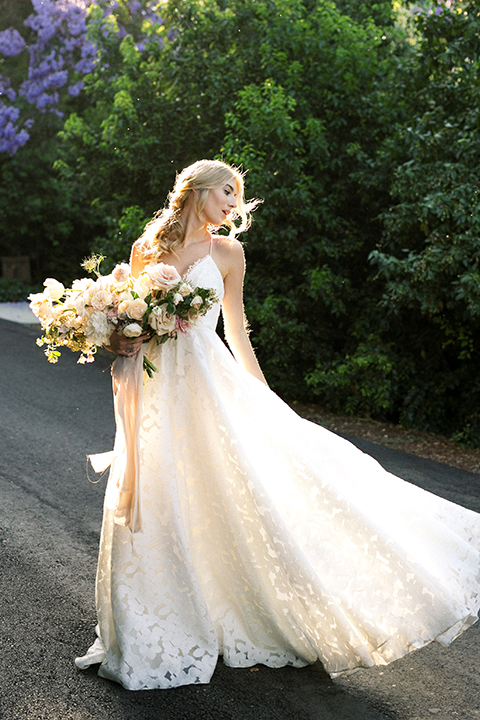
127 380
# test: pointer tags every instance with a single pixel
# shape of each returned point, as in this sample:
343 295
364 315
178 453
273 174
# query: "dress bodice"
205 273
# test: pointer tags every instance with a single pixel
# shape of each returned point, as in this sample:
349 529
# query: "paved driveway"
50 417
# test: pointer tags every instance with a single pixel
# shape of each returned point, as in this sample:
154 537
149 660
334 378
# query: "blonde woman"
207 195
264 538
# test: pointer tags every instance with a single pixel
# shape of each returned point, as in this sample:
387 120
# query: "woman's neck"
196 231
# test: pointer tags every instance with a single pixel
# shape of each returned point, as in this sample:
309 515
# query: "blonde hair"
166 231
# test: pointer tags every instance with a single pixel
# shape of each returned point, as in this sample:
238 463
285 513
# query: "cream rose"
132 330
54 289
177 298
161 321
163 277
185 289
101 299
121 274
124 305
137 309
196 302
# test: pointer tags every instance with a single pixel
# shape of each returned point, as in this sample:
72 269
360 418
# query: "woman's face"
220 202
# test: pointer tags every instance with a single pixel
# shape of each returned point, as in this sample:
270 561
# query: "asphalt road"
50 418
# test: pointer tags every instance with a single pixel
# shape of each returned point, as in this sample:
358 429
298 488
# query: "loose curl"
166 231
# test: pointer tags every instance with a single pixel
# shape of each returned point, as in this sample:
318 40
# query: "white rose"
132 330
163 277
177 298
54 289
161 321
196 302
137 309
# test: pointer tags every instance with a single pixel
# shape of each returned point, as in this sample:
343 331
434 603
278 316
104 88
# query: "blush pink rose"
162 277
182 325
121 274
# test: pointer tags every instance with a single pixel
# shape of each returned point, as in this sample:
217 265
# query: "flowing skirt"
268 539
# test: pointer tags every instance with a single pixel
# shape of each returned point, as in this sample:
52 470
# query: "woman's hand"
128 347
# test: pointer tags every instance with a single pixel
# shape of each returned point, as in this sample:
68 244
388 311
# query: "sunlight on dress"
267 538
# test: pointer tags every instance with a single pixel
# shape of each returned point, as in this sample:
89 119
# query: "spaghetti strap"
211 245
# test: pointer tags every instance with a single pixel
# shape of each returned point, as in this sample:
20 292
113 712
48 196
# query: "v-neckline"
194 264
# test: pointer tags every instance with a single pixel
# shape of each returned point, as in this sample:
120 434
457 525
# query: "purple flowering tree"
64 38
435 7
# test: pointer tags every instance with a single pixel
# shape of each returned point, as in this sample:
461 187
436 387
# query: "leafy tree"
428 257
46 54
292 90
300 134
358 127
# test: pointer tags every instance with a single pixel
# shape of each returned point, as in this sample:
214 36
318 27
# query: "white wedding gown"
267 538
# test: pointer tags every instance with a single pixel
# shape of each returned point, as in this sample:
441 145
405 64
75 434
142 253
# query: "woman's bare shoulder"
228 253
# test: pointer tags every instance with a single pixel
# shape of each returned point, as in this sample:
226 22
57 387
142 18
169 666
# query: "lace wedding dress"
266 538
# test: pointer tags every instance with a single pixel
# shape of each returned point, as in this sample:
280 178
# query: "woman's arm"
233 312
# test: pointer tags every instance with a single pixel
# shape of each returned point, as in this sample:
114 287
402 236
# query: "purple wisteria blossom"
135 6
11 138
433 8
61 52
62 45
11 42
6 91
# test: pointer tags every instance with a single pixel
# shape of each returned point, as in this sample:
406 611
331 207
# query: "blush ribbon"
127 381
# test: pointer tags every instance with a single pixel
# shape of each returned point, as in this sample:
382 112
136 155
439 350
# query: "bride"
265 538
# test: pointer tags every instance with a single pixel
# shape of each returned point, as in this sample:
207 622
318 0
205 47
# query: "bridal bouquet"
157 303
